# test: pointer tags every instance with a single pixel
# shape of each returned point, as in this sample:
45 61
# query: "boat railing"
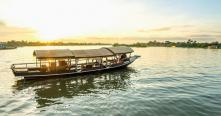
38 66
23 65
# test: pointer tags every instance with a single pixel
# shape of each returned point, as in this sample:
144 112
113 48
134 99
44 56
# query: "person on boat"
123 57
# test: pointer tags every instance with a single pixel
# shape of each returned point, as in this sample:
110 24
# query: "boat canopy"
45 54
92 53
89 53
120 49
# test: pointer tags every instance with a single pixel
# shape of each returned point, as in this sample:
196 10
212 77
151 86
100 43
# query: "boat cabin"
65 60
52 60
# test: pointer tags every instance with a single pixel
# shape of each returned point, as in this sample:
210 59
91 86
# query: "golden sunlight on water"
164 81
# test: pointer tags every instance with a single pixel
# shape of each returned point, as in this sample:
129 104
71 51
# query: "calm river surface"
164 81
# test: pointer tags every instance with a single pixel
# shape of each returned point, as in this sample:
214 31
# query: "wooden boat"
73 62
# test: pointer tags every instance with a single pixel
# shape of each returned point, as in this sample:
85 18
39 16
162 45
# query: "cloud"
182 32
4 29
214 32
162 29
168 28
155 30
204 37
2 23
16 33
201 35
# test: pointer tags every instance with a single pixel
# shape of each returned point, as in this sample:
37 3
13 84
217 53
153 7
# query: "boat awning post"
106 62
40 62
36 61
87 61
101 61
55 64
69 62
76 64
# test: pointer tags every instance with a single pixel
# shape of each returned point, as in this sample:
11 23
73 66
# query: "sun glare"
55 19
70 18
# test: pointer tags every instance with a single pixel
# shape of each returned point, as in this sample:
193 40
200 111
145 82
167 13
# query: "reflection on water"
48 90
164 81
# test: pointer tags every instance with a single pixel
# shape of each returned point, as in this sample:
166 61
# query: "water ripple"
164 81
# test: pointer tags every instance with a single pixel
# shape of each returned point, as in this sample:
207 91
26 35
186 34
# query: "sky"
110 21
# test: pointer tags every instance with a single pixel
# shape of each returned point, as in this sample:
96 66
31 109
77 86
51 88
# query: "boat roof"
89 53
92 53
44 54
120 49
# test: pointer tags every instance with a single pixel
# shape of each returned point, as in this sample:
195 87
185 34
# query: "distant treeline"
26 43
187 44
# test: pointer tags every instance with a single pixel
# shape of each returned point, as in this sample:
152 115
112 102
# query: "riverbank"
187 44
8 48
27 43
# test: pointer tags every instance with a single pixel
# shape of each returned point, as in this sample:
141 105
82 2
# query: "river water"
164 81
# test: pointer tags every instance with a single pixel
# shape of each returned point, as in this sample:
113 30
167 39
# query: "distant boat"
72 62
5 47
213 47
9 47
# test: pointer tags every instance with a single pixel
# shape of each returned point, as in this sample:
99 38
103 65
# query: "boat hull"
74 73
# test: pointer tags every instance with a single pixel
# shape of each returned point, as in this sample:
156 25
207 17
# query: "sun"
47 36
